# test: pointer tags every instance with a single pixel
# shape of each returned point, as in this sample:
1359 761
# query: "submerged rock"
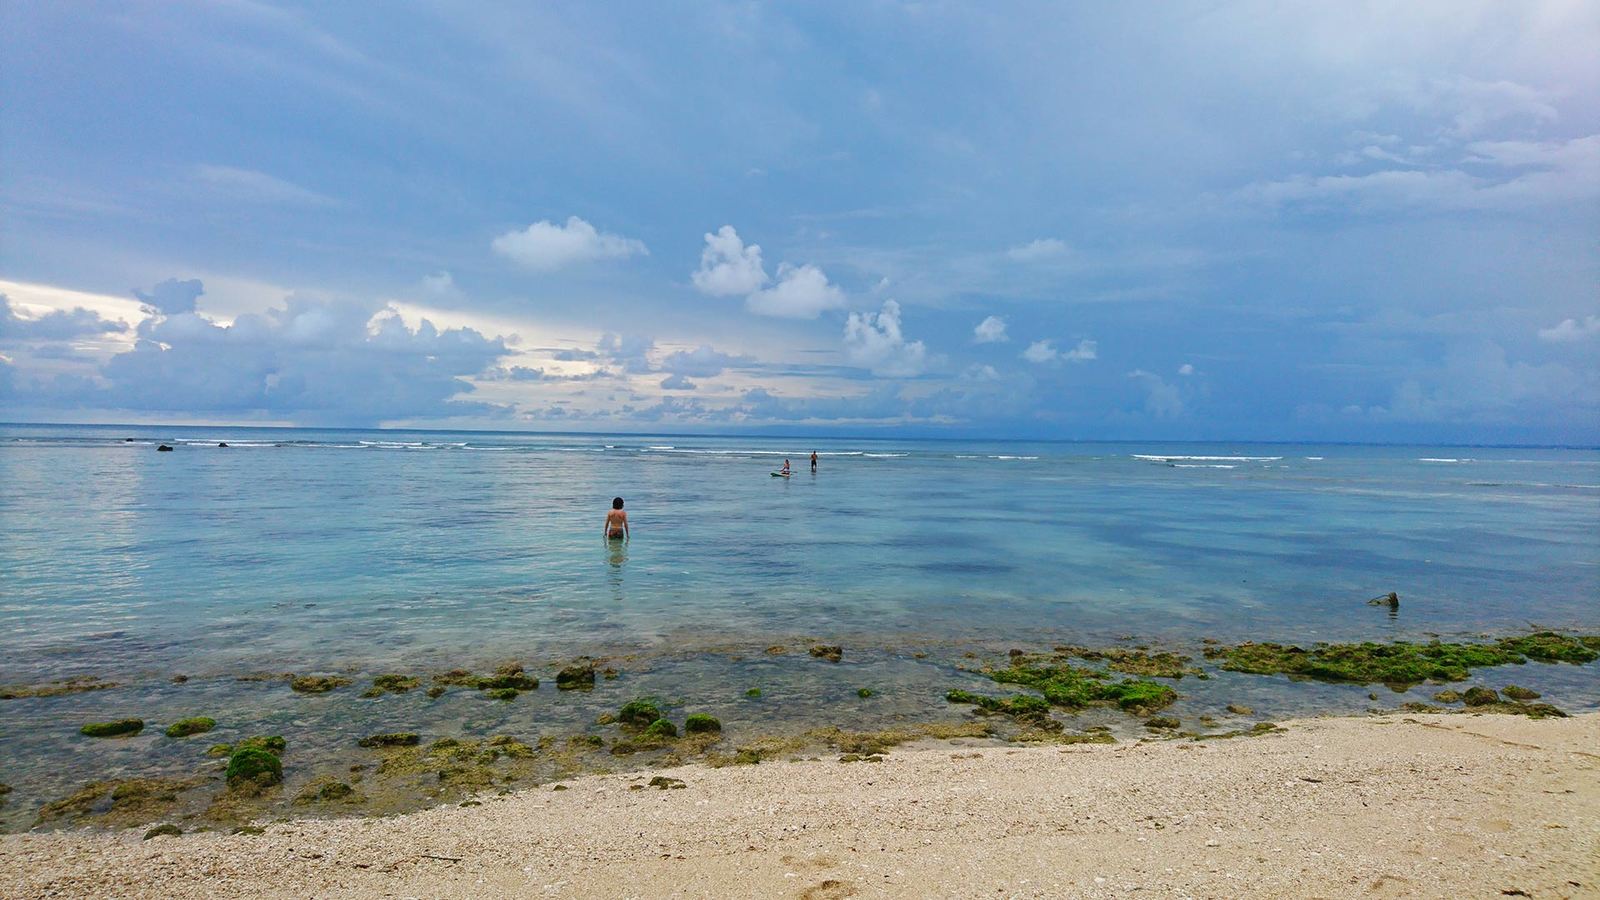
164 448
1401 664
392 684
661 728
863 693
316 684
1075 687
191 726
119 728
577 676
55 688
1239 709
1480 696
395 739
272 743
1447 697
1519 693
1155 722
829 652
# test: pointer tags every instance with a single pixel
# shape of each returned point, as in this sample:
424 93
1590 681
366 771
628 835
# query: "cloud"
1035 251
546 247
875 341
250 186
802 292
308 360
728 267
991 330
631 352
56 325
1571 330
1161 400
1045 352
703 361
1186 370
677 382
172 296
441 286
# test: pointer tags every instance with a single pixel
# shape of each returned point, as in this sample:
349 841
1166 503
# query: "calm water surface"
372 551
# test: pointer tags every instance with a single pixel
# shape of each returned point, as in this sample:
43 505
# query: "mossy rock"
586 742
55 688
829 652
436 692
1519 693
392 684
1548 646
661 728
219 750
1162 664
506 745
1447 696
662 782
191 726
1161 722
510 675
168 830
118 728
863 693
253 769
701 723
1400 664
753 693
272 743
641 712
326 792
1075 687
316 684
578 676
1480 696
1239 709
4 789
1022 707
395 739
503 693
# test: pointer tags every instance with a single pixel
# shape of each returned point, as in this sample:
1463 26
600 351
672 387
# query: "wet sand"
1401 805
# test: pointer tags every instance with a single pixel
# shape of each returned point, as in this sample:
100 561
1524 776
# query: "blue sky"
1190 220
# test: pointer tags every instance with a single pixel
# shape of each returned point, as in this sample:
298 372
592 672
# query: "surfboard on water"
779 475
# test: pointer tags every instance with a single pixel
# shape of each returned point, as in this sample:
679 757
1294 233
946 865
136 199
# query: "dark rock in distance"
223 444
163 449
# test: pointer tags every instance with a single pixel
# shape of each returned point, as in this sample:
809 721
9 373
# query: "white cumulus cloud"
545 246
1570 330
1041 249
1046 352
729 268
802 292
991 330
875 341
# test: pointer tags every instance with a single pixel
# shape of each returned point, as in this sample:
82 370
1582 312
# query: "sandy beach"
1402 805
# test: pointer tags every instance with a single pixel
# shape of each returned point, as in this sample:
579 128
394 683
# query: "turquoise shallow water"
296 547
364 552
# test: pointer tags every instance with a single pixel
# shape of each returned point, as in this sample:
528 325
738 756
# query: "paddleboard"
780 475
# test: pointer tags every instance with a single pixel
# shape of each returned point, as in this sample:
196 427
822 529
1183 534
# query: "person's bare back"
617 521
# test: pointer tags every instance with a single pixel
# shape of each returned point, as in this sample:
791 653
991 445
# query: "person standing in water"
617 521
813 460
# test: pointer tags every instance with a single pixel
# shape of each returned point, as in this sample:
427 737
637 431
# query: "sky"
1189 220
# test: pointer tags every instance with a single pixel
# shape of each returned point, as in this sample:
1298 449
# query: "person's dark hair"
616 503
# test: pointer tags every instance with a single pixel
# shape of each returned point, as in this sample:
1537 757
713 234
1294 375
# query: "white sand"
1423 806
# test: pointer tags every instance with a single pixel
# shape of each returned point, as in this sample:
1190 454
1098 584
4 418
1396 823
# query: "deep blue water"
301 547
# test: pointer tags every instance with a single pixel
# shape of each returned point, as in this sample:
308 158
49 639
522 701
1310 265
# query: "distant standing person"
617 521
813 460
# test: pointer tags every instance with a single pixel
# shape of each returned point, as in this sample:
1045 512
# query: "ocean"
300 550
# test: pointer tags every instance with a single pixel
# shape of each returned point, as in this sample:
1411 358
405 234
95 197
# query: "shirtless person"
813 460
617 522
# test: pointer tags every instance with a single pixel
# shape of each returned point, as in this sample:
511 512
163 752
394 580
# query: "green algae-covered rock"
1480 696
1020 706
392 684
504 693
510 675
1519 693
253 769
1074 687
1447 697
1547 646
273 743
753 693
578 676
168 830
316 684
863 693
119 728
191 726
699 723
1155 722
396 739
219 750
642 711
829 652
1400 664
661 728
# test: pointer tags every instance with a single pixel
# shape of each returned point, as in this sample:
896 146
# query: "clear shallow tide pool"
332 551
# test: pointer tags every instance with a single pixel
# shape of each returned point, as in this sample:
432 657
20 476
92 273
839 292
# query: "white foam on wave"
1202 466
1314 458
1442 459
882 455
1236 459
1013 457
